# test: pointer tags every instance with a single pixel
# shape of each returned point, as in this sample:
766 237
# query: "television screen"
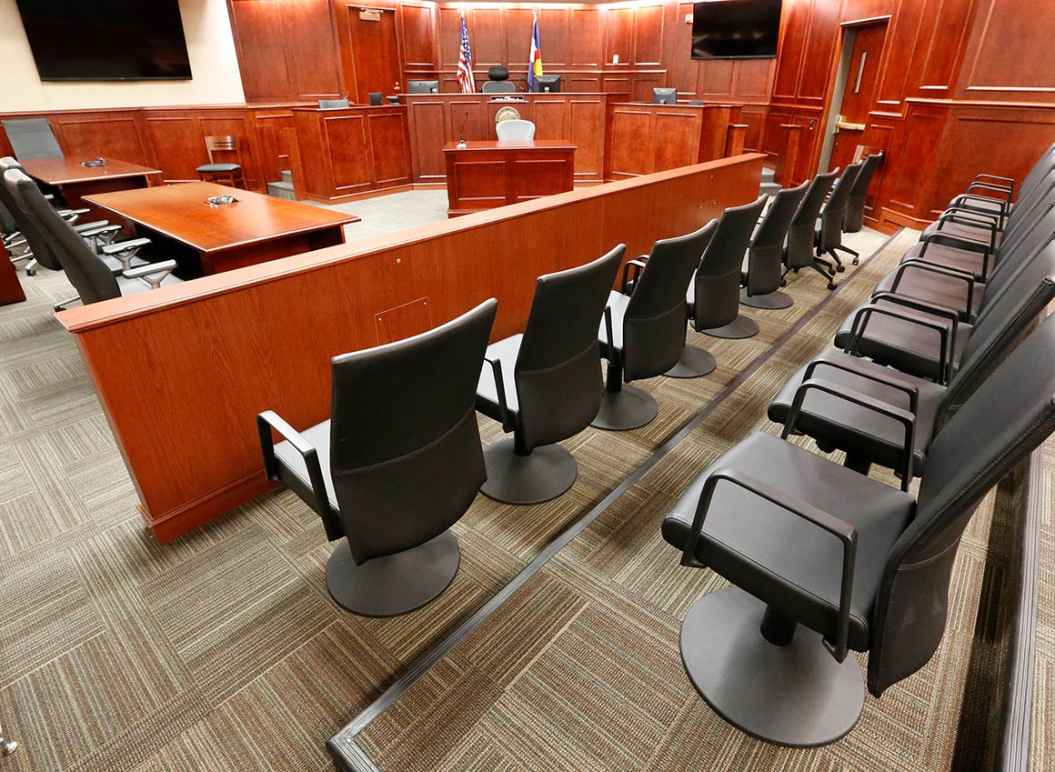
106 39
735 29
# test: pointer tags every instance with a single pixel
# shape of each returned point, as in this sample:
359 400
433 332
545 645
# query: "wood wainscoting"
226 347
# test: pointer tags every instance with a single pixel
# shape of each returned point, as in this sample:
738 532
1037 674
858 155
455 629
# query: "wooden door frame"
349 75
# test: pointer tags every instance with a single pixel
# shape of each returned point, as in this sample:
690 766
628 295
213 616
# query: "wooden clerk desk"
487 173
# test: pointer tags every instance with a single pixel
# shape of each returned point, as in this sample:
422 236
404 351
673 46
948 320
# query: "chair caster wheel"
840 268
31 272
832 285
857 261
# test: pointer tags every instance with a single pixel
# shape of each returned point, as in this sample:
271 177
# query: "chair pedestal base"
694 363
394 584
769 301
741 327
625 409
543 474
795 695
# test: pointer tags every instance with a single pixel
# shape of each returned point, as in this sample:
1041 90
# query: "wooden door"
375 52
860 93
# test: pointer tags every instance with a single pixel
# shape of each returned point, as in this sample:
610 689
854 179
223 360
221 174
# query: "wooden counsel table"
76 181
484 174
207 239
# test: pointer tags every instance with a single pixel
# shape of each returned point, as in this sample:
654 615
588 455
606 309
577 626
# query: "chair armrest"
922 260
935 309
72 212
269 420
1004 191
89 226
958 201
956 210
959 242
152 273
100 231
905 267
638 266
869 374
842 530
124 246
864 316
500 389
986 175
904 417
974 222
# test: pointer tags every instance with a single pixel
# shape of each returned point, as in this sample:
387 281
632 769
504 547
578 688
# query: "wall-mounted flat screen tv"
106 39
735 29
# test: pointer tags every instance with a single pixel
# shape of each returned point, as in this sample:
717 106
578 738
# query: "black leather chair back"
558 369
855 206
405 450
717 296
1014 257
834 212
801 234
1003 421
654 323
764 267
32 138
31 229
1043 165
90 276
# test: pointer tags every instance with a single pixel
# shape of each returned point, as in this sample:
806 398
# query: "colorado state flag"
535 56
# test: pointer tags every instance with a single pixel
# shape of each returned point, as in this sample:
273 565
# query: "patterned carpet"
223 651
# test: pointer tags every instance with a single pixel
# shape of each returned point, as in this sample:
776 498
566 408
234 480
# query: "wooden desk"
76 182
489 173
207 240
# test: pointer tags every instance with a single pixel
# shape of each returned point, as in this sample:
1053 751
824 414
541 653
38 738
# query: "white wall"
214 66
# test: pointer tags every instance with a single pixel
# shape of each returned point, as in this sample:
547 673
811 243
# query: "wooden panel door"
346 136
860 94
374 59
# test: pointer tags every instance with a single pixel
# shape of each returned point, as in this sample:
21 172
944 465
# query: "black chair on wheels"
825 560
498 81
396 465
545 385
32 138
799 251
855 205
643 331
763 273
829 238
714 295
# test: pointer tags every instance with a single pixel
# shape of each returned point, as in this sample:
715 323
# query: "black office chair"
855 205
665 96
32 138
643 331
423 86
764 272
824 560
799 251
396 465
545 386
994 194
498 81
714 295
93 279
829 238
851 404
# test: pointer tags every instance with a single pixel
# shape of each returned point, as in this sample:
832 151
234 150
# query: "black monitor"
735 29
665 96
547 83
423 86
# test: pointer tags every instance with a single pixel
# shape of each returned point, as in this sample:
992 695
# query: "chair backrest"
423 86
12 200
333 104
558 368
665 96
498 72
90 276
717 292
220 144
764 269
801 234
834 211
1027 209
1036 172
855 205
1003 421
654 323
498 87
405 450
32 138
1014 257
516 129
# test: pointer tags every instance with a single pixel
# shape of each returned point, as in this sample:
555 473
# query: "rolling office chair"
545 385
832 399
498 81
222 171
664 96
855 205
643 331
799 251
714 294
32 138
764 273
93 279
326 104
515 130
824 560
396 465
423 86
829 238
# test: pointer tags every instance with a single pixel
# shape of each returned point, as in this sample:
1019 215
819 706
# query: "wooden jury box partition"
261 337
486 174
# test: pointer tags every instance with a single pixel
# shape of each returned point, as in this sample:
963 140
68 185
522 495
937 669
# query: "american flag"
465 62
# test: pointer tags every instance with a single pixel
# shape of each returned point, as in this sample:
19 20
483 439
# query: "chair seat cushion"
909 347
505 351
837 423
781 558
963 231
618 303
217 168
294 471
979 204
952 257
933 287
